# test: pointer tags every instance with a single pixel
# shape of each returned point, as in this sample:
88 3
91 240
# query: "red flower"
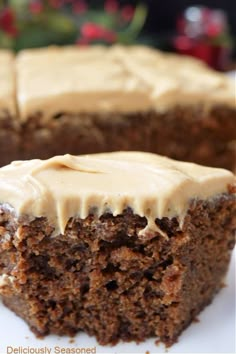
214 29
111 6
79 7
7 22
92 31
183 44
36 7
127 12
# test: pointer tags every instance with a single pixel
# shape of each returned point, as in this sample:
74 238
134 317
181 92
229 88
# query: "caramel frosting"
7 82
116 79
68 186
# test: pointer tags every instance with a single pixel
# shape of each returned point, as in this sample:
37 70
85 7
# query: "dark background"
160 26
162 13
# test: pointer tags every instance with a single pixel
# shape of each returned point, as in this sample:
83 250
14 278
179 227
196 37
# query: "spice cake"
123 246
98 99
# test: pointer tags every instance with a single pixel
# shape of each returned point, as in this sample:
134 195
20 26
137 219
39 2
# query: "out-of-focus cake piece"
7 84
99 99
9 138
116 79
123 246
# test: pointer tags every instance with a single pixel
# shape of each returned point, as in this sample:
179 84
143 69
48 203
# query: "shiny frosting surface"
68 186
116 79
7 82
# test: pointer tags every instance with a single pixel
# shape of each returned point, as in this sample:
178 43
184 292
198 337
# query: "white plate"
214 333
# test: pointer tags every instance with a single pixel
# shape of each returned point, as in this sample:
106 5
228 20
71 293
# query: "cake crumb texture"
102 278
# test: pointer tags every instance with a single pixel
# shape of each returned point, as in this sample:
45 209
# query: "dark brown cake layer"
104 279
9 138
191 133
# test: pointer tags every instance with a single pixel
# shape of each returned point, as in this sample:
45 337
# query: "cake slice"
9 126
100 99
123 246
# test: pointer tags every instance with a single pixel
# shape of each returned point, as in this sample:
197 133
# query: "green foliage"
44 30
63 26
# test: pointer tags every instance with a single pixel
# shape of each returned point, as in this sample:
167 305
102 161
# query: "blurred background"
205 29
